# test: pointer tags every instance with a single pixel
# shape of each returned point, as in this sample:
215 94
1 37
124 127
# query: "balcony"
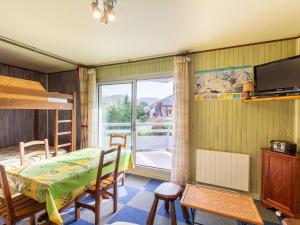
153 141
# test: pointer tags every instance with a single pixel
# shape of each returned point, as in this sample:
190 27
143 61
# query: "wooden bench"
167 192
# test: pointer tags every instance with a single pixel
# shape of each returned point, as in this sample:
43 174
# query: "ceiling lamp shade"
112 16
96 10
104 18
111 13
104 9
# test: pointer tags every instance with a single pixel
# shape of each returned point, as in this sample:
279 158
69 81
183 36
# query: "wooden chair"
17 208
123 144
32 143
103 184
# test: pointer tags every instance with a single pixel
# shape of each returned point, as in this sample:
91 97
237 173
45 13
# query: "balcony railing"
151 136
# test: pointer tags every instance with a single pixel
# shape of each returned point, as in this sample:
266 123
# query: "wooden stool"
167 192
290 221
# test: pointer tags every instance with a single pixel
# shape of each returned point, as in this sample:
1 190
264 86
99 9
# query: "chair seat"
23 207
105 184
290 221
168 191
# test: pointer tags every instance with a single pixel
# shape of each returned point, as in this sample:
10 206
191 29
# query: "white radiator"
224 169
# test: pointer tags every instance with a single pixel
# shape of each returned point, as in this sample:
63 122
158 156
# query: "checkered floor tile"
135 201
134 204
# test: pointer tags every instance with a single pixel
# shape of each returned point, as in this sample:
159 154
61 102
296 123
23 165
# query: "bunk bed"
22 94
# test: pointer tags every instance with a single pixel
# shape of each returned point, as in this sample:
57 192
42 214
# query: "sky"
145 88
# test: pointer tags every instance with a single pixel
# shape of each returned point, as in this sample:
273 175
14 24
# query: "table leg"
185 213
193 217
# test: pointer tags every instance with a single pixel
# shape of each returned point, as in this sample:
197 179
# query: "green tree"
126 110
141 115
114 114
120 112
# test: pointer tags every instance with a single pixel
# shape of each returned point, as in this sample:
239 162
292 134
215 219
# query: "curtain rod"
39 51
181 53
188 52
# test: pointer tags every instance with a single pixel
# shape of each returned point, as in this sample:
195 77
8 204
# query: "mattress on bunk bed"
26 84
10 156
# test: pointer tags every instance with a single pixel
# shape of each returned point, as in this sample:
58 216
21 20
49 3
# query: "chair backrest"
115 139
32 143
5 197
108 158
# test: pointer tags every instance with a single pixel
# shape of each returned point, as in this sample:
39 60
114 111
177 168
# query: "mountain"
148 100
114 99
108 101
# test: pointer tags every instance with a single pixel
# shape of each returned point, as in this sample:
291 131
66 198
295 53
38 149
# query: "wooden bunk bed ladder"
71 133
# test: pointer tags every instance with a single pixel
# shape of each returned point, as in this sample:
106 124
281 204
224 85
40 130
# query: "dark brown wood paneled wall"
18 125
64 82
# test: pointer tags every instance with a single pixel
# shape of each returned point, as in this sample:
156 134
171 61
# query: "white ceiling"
16 56
142 28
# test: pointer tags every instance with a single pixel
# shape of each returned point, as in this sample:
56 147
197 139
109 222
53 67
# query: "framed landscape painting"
224 83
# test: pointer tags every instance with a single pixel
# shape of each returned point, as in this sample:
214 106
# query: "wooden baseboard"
150 173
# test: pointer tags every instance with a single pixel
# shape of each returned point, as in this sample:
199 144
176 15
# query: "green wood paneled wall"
226 125
233 126
129 71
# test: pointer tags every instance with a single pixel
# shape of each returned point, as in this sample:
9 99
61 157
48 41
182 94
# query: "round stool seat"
168 191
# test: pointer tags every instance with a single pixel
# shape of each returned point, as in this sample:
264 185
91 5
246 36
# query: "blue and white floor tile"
143 201
140 183
135 201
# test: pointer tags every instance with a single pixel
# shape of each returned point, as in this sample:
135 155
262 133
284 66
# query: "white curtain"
92 112
180 153
88 107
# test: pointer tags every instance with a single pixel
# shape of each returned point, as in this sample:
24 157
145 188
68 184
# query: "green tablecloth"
59 180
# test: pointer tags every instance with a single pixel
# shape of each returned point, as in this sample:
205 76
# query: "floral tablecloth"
59 180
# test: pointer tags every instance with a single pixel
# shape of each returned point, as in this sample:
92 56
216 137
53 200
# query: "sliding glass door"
154 123
142 109
115 111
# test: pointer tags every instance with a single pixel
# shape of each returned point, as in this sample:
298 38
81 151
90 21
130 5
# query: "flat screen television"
280 77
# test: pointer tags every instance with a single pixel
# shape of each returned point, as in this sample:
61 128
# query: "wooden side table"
223 203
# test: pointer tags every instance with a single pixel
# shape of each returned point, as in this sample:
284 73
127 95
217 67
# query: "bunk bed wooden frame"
36 105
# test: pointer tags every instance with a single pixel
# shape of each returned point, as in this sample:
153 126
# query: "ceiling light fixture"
96 10
104 9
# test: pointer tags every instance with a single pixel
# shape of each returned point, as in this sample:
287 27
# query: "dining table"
59 180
